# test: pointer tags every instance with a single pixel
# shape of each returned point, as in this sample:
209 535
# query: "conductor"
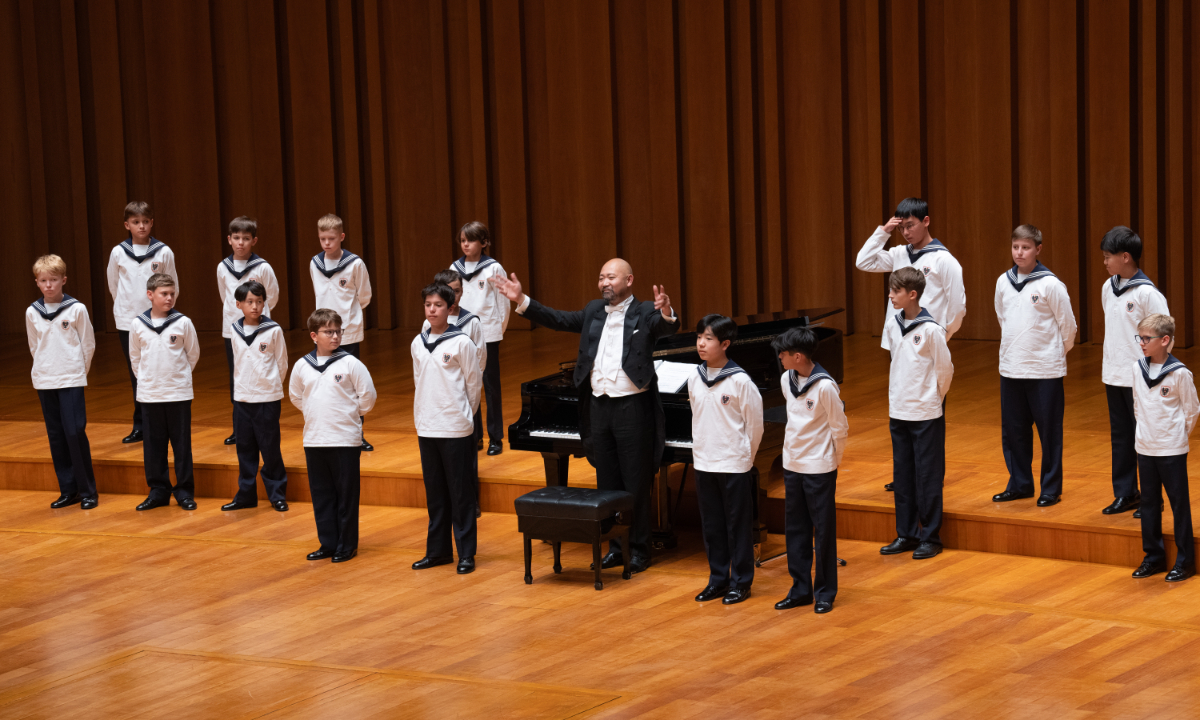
621 420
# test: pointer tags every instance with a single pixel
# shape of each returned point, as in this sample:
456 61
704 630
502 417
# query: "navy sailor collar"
464 317
933 246
343 262
1170 366
311 359
171 317
264 324
151 250
731 368
1139 278
1039 271
251 263
460 266
818 373
452 331
40 306
922 317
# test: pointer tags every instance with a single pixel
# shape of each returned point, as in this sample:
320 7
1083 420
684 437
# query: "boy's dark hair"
322 317
797 339
243 224
912 208
1122 240
443 291
722 327
158 280
138 207
246 289
475 231
1028 232
907 279
445 277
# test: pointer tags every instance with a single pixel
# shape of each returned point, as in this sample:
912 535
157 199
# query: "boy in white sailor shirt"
727 427
341 283
130 265
491 307
1037 330
241 267
918 381
62 344
1165 403
333 390
1127 297
163 350
260 364
813 445
448 381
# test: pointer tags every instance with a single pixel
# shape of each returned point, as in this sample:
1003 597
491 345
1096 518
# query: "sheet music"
673 376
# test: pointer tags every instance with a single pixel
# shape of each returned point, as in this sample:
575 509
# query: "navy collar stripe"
460 266
149 320
1139 278
818 373
1039 272
934 245
40 306
151 250
731 368
343 262
311 359
252 263
1171 365
264 325
451 332
922 317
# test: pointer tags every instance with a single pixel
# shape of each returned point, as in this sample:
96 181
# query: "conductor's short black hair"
722 327
1122 240
798 339
246 289
441 290
912 208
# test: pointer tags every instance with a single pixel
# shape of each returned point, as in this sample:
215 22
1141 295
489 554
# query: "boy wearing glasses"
1127 297
1165 404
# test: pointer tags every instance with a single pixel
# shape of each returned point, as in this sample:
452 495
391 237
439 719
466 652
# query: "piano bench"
559 514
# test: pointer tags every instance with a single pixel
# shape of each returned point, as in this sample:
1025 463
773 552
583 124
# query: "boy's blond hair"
139 207
907 279
158 280
1159 324
52 264
322 317
330 222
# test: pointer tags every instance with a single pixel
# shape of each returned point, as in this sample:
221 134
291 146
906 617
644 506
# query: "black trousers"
168 422
1169 473
809 513
257 428
491 394
1122 427
123 335
229 360
66 427
726 503
354 349
448 466
623 452
918 474
1025 403
333 482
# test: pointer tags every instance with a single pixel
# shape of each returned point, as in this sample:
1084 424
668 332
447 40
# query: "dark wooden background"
737 151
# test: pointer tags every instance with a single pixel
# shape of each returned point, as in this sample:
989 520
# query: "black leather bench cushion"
573 502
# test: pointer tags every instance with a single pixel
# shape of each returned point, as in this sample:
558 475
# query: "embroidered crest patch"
174 338
1034 299
926 270
916 339
480 283
809 404
66 324
342 282
724 399
445 357
338 378
1128 307
154 266
262 347
1165 391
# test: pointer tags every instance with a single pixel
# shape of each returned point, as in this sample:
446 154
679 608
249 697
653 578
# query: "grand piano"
549 422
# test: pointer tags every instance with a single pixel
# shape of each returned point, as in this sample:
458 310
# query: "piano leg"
662 537
556 468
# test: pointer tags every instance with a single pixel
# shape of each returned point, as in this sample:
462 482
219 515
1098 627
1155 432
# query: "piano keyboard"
571 435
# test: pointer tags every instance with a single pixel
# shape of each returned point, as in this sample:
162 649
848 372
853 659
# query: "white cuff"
523 305
672 318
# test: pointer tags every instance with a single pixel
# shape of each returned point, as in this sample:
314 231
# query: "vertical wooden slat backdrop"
736 151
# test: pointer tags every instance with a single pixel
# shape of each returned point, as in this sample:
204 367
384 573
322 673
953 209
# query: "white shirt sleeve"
87 338
365 389
135 351
31 331
1191 405
874 257
503 306
362 281
941 363
835 410
114 273
999 301
752 416
296 389
523 305
272 286
1060 305
281 356
474 376
220 284
191 345
956 298
168 268
1156 302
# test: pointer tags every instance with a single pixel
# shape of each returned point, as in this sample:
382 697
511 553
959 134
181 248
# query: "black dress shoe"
1048 500
89 503
790 602
735 596
495 448
344 556
611 560
927 550
152 502
639 564
280 505
1122 504
428 562
235 505
367 447
64 501
1137 514
1010 495
1146 569
320 554
479 445
823 607
890 487
712 593
478 511
231 440
1178 574
898 546
186 503
135 436
466 566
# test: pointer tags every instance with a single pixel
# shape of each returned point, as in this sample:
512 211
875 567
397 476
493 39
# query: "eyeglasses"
1143 339
330 333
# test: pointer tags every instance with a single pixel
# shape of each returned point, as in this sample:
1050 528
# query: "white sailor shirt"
1165 407
163 354
260 361
487 301
815 438
469 323
129 267
229 278
727 419
447 379
1037 326
1125 304
333 396
62 343
344 288
921 370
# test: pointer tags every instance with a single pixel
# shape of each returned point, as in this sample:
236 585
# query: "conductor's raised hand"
510 286
662 302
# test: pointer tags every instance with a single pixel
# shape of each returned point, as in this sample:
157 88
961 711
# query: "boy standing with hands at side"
727 427
62 344
918 381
